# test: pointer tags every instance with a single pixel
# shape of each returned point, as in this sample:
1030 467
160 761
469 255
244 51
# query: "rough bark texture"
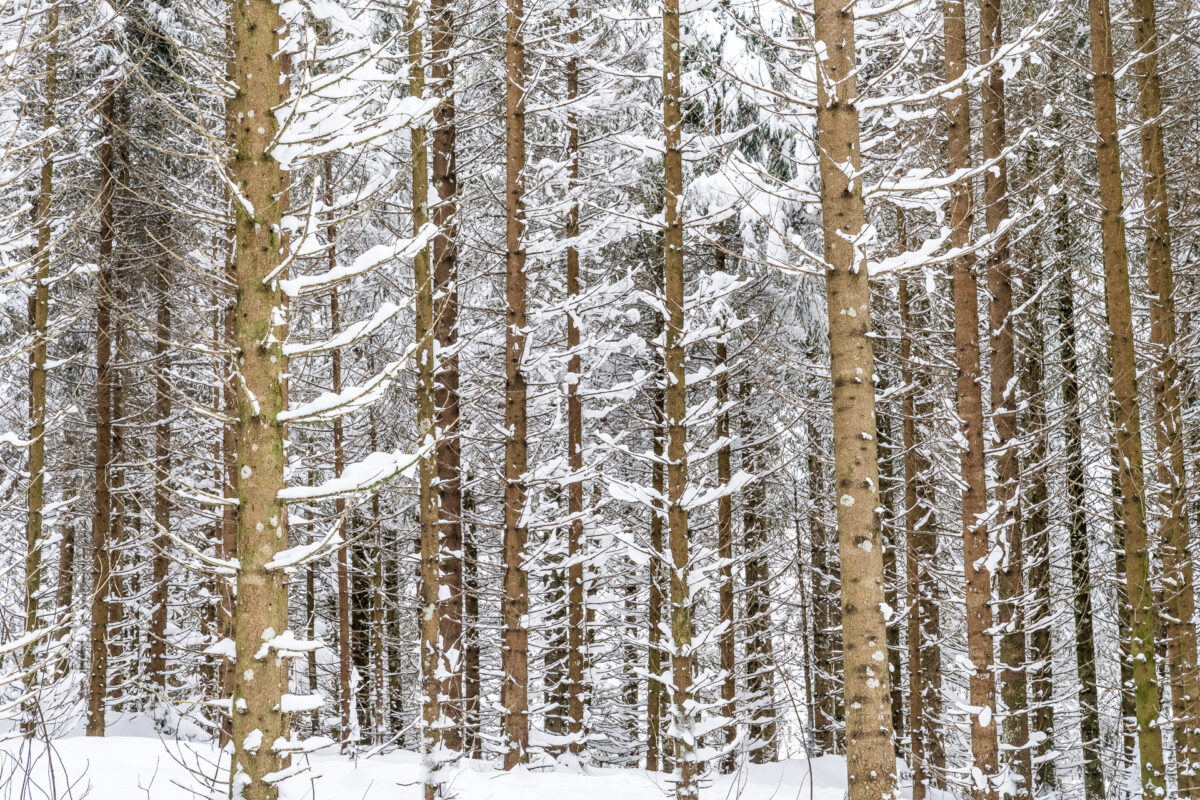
1076 512
1037 529
575 601
760 694
427 505
160 594
656 689
260 609
984 744
870 757
443 214
727 640
676 406
102 513
1124 394
1177 579
39 310
1010 582
514 693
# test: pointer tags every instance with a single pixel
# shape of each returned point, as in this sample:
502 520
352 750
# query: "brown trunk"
1010 584
727 641
676 405
575 622
427 509
759 684
260 608
870 753
655 687
1126 421
472 741
1178 585
984 745
39 309
1037 521
913 519
102 516
162 474
514 693
445 332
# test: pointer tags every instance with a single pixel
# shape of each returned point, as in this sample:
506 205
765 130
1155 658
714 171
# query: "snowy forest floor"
132 767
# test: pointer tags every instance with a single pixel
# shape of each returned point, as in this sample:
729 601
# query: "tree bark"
1127 424
160 595
260 607
727 640
443 214
1178 585
102 516
514 692
427 511
39 311
870 755
575 598
676 406
984 745
1010 582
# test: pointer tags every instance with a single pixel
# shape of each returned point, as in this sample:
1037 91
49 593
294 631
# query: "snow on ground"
132 767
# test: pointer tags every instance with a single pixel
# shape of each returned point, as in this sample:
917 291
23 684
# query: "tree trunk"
1081 580
427 508
473 739
760 695
102 517
655 687
39 311
515 656
1178 585
575 600
160 595
445 331
1037 521
260 608
676 405
984 746
1010 582
870 754
1126 420
727 639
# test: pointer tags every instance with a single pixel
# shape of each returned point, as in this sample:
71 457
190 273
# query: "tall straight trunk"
825 589
984 744
514 693
1178 585
913 521
1010 582
1037 522
102 514
443 214
655 686
310 617
472 738
427 508
160 594
39 311
1125 405
65 593
888 526
728 637
575 601
1078 537
260 608
676 407
345 668
119 592
760 696
870 754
